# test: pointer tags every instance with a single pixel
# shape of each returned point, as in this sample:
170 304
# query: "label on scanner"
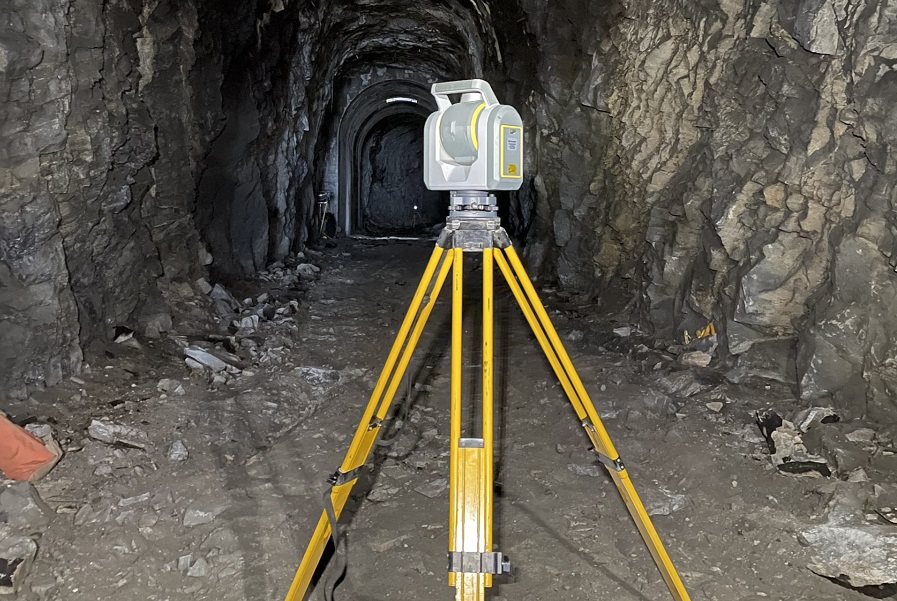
511 156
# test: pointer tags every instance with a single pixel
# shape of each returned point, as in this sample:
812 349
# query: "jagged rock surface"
103 139
39 311
138 132
714 161
748 178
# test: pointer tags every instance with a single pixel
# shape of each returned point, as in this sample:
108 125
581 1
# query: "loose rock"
663 502
382 493
307 270
216 361
318 376
22 508
169 386
220 293
199 569
250 322
202 513
433 488
16 556
177 451
787 449
845 548
861 435
111 433
695 359
681 384
585 470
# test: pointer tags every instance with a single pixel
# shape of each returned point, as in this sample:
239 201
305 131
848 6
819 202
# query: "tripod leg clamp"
615 465
339 477
611 464
471 562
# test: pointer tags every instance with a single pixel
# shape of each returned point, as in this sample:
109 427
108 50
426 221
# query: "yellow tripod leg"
488 400
552 345
377 408
471 470
456 389
469 500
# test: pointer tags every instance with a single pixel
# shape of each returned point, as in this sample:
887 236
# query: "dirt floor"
135 520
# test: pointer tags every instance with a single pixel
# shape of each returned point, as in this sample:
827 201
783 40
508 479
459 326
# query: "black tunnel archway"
377 107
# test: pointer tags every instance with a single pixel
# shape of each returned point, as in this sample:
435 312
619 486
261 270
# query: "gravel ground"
137 520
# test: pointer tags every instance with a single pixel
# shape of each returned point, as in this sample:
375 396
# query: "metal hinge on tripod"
471 562
339 477
612 464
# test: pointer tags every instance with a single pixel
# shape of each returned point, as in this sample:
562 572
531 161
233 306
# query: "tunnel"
708 208
380 148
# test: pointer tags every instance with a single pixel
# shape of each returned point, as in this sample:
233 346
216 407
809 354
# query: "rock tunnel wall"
555 68
706 161
139 135
747 177
104 119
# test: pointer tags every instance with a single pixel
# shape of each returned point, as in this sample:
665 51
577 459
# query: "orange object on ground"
24 456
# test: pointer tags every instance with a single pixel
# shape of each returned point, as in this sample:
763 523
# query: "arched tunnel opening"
213 220
378 146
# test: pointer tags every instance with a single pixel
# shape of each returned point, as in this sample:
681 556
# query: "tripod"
473 226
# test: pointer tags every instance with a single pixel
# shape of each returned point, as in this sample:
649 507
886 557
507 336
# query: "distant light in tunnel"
401 99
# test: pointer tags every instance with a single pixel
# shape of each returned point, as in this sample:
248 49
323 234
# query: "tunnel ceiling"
450 38
689 163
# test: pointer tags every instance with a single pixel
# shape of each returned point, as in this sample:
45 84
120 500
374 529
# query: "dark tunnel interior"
393 199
